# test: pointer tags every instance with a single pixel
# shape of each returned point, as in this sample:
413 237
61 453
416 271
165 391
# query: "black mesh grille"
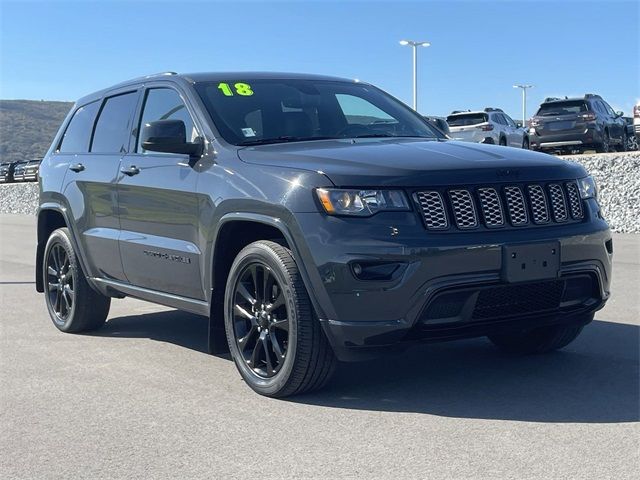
513 300
558 203
500 206
575 205
464 210
516 206
433 210
539 206
491 207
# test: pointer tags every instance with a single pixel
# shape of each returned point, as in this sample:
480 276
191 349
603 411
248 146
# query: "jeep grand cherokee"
311 219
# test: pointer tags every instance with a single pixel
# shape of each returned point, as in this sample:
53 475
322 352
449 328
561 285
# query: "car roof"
200 77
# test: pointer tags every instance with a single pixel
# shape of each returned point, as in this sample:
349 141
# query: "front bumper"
362 316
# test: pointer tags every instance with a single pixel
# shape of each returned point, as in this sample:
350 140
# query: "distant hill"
27 127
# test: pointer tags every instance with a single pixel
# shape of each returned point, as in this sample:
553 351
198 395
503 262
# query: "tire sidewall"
60 237
261 254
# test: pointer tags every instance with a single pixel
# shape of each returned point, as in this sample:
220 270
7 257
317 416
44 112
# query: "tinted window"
563 108
166 104
287 110
498 118
113 127
608 109
76 136
462 120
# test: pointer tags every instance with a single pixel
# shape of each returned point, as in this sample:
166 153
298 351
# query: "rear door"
514 134
158 205
93 151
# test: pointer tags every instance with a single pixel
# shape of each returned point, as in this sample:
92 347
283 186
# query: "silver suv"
491 125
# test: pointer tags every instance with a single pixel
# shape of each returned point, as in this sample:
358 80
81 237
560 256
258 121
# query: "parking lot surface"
140 398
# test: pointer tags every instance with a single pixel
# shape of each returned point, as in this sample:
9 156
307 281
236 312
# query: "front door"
158 207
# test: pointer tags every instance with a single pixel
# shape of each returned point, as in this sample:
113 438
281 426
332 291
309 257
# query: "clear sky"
63 50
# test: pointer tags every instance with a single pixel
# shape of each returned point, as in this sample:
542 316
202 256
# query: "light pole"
415 46
524 103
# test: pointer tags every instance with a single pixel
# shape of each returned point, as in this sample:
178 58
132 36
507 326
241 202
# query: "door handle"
130 171
78 167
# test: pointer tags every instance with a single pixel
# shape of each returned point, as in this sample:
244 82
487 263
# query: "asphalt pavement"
140 398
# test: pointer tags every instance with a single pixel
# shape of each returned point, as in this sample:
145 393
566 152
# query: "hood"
412 162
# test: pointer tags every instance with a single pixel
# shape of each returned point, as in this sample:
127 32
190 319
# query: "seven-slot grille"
495 207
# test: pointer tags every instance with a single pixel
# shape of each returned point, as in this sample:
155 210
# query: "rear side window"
563 108
78 133
166 104
113 127
466 119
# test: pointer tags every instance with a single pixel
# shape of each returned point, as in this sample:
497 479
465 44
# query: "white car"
491 125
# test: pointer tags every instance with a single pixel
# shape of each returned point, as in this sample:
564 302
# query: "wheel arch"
50 218
250 227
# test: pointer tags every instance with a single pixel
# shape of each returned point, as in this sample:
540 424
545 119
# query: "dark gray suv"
311 219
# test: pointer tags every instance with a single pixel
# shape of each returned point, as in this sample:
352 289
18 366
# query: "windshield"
562 108
466 119
251 112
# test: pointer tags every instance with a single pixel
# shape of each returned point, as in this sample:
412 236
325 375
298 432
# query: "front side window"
248 112
78 133
113 128
165 104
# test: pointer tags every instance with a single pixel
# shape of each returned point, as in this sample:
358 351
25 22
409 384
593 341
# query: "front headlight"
361 203
587 187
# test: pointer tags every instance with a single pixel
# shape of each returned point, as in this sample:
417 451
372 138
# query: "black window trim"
66 127
116 93
133 146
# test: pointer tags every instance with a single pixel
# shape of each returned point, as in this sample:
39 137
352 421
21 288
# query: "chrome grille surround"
491 207
558 203
433 210
516 206
464 210
539 207
575 202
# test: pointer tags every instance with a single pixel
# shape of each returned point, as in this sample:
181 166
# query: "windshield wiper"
387 135
281 139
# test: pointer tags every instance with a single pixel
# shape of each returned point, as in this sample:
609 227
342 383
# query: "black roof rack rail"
459 111
552 99
492 109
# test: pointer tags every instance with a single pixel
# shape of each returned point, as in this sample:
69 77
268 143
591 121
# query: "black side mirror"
620 113
169 136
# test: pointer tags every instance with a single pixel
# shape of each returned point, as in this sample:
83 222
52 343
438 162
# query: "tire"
276 357
538 340
632 143
502 141
525 143
72 304
604 146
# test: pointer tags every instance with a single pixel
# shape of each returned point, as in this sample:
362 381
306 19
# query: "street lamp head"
424 44
404 42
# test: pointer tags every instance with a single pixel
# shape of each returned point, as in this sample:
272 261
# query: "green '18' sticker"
243 89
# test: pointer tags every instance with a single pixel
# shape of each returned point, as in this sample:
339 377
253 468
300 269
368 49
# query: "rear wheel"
502 141
275 339
603 147
72 304
539 340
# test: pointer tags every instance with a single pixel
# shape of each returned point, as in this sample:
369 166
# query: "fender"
298 255
62 210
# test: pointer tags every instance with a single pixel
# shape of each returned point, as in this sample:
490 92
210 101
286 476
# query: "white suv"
636 121
491 125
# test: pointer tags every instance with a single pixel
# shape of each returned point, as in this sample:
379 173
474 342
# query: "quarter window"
165 104
76 136
113 128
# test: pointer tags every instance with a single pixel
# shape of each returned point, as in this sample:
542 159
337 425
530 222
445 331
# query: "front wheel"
525 143
72 304
502 142
623 143
274 337
539 340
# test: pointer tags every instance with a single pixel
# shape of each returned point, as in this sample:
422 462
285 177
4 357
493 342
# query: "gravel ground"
617 174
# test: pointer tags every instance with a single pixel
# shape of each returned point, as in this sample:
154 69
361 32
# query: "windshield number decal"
243 89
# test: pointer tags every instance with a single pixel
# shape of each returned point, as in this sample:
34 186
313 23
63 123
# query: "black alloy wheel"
260 320
60 283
